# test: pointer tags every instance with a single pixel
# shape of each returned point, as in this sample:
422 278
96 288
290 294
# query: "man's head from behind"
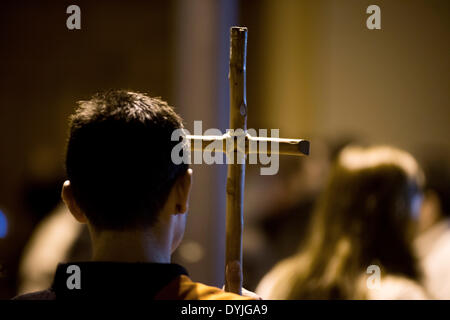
119 165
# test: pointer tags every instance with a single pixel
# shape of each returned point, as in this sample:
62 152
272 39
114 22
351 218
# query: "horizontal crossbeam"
295 147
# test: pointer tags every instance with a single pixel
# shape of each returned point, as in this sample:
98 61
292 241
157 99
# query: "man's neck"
126 246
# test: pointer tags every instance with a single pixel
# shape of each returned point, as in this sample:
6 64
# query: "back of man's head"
118 158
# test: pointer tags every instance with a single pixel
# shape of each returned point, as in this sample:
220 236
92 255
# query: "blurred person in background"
58 237
366 216
433 242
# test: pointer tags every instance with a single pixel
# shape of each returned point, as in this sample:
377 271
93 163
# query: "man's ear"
69 200
183 190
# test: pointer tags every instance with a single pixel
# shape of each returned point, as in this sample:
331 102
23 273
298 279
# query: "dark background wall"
45 69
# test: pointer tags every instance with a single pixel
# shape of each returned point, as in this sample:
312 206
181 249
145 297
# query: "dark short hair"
118 158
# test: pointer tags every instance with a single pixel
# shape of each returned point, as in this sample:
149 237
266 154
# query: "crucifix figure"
236 169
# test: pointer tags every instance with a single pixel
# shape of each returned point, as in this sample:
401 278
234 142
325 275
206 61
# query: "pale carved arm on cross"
293 147
242 143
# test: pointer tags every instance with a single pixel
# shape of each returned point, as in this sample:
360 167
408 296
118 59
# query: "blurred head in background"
367 215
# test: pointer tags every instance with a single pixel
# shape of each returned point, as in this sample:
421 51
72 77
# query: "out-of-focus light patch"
357 158
191 251
416 205
3 225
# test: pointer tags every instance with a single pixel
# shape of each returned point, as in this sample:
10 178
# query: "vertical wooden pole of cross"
236 170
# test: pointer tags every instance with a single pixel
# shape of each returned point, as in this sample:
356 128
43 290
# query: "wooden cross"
236 170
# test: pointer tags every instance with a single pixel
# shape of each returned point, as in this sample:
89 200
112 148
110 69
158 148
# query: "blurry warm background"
314 71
